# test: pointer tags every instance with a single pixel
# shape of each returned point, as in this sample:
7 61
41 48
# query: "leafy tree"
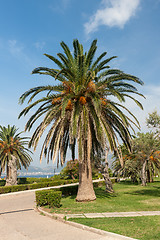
83 111
153 120
144 161
71 169
13 154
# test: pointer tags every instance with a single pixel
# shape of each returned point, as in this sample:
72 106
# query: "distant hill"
34 169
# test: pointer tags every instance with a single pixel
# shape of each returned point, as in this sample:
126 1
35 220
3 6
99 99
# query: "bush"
22 187
22 180
48 197
37 185
2 182
38 180
5 189
71 171
68 191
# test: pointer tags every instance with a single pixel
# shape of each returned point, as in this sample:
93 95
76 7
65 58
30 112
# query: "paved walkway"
19 221
113 214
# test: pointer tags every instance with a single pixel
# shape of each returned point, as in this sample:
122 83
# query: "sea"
33 176
37 176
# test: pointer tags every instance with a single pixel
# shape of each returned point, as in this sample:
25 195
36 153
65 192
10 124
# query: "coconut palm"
80 111
13 154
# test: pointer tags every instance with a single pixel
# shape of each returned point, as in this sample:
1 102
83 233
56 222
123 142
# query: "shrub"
71 171
17 188
22 187
37 185
68 191
48 197
5 189
22 180
2 182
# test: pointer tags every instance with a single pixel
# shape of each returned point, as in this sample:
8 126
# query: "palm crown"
11 144
80 107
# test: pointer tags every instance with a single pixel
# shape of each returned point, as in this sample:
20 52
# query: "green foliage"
81 105
2 182
12 144
22 180
71 171
43 184
145 147
69 191
16 188
51 198
153 120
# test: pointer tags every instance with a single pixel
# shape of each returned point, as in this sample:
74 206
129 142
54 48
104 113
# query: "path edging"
59 217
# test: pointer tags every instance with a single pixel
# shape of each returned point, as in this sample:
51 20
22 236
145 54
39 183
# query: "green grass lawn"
127 197
143 228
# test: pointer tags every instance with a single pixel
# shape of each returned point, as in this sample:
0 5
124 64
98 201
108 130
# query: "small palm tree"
13 153
80 111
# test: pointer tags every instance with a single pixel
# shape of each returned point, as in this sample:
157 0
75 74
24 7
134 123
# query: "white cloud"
151 103
39 45
19 52
14 48
60 6
114 13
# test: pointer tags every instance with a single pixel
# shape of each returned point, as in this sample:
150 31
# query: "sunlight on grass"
143 228
127 197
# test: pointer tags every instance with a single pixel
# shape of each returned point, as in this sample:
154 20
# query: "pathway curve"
19 221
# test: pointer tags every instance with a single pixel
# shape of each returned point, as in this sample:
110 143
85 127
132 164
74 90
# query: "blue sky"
129 29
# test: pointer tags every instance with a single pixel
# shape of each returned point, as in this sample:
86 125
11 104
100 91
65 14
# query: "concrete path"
19 221
113 214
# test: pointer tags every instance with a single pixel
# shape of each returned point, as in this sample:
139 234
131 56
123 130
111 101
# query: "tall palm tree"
80 111
13 153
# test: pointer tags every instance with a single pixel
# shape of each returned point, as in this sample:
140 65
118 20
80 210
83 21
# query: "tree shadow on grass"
101 193
146 192
128 182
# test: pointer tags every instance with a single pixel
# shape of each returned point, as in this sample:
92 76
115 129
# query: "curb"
108 235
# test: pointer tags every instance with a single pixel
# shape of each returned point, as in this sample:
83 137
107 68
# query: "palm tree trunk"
85 189
108 183
148 176
143 173
11 172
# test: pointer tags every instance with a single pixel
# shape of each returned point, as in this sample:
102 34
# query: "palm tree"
80 111
13 153
144 161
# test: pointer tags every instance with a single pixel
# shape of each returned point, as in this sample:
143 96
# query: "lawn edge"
60 217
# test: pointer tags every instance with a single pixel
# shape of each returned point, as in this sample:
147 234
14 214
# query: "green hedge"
72 190
69 191
2 182
22 187
51 198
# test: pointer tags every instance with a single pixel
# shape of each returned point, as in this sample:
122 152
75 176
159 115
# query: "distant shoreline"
33 175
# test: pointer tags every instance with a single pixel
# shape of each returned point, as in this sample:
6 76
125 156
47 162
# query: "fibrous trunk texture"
11 172
143 173
108 183
85 189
